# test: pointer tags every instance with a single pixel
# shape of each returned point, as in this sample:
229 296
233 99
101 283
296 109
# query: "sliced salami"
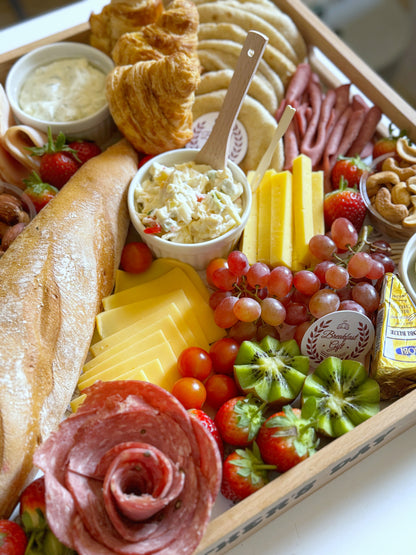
135 473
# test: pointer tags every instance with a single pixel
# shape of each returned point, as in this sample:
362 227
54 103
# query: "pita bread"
259 124
281 22
222 12
259 88
228 51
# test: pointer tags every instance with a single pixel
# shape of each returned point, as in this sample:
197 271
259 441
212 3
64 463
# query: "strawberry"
57 163
244 473
351 169
13 540
345 202
288 437
40 193
387 145
209 425
239 419
33 506
84 150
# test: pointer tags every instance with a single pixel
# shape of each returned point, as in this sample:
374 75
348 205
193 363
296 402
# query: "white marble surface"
367 509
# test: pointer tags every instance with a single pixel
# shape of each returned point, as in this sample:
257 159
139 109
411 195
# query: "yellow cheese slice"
151 336
264 218
136 374
248 244
281 245
148 310
160 266
174 279
129 334
108 371
318 202
302 211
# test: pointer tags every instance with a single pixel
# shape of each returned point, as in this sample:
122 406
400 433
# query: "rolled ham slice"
134 471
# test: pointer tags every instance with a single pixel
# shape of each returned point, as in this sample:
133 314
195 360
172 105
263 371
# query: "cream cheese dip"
188 203
68 89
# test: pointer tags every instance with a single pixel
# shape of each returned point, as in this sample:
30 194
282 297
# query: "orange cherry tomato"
195 362
190 392
220 388
136 257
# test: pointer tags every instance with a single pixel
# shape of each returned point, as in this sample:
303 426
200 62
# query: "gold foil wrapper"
393 362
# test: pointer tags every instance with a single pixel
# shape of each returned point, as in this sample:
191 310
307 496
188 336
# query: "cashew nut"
400 194
376 180
394 213
390 164
405 150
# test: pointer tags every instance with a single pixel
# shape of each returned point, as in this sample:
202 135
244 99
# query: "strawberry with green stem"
244 473
239 419
387 145
40 193
350 169
58 162
345 202
288 437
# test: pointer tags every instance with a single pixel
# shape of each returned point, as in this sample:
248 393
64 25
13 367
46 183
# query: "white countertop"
370 508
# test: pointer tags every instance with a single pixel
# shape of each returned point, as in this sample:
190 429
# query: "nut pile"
392 191
13 219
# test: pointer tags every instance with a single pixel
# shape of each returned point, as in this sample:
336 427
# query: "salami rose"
131 473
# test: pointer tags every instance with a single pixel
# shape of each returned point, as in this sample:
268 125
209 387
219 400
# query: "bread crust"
52 280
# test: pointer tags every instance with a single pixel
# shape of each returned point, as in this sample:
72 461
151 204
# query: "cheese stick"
52 280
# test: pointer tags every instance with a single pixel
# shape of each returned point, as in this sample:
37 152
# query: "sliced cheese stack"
146 324
287 211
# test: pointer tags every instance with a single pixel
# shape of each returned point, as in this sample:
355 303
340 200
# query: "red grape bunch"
254 300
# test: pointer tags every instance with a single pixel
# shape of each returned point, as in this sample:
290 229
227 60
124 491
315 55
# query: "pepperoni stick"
351 130
315 151
366 132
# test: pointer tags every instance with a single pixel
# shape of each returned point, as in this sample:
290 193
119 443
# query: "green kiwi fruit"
345 395
272 370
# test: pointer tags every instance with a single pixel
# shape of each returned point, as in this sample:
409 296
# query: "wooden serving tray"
253 513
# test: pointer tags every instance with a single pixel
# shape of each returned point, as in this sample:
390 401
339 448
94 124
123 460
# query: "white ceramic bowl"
198 254
407 267
98 127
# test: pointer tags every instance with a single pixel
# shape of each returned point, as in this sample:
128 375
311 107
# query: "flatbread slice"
258 123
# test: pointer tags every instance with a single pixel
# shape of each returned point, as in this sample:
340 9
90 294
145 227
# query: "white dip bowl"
196 254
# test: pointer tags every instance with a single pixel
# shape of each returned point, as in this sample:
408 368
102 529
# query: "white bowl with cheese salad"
189 211
62 86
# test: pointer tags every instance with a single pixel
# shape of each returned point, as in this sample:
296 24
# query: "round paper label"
202 128
345 334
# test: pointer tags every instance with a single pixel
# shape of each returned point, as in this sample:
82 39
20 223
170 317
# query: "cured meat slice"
135 472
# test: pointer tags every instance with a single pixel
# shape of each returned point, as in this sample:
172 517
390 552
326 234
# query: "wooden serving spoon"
215 150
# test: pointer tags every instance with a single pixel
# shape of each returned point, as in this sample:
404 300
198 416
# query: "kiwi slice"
272 370
345 395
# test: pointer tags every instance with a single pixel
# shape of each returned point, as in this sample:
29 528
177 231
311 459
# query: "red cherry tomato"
190 392
195 362
220 388
223 353
136 258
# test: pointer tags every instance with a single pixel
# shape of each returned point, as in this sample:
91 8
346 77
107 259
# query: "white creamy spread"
66 90
191 203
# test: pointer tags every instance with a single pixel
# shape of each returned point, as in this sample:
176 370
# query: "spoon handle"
215 150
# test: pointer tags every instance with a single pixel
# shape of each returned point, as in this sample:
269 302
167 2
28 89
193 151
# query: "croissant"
174 31
121 17
151 101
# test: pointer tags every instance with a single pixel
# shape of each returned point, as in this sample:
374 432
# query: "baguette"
52 280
